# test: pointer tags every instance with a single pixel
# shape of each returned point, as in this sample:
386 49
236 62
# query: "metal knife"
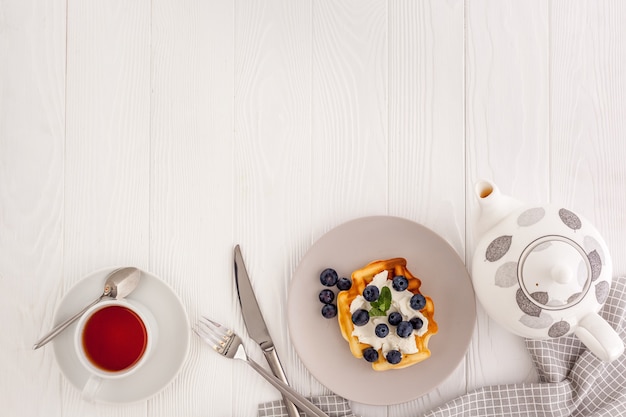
257 329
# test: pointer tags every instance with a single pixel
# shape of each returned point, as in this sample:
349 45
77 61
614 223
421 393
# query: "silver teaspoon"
118 285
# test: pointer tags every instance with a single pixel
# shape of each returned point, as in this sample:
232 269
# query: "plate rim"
472 309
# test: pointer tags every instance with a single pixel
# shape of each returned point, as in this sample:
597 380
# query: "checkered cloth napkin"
332 405
573 381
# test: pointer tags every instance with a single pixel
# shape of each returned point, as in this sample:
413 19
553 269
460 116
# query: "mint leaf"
380 306
384 300
376 312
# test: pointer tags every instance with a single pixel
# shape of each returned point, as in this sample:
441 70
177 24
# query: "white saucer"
167 356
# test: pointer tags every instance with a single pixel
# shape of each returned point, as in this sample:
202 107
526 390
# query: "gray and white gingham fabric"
573 382
332 405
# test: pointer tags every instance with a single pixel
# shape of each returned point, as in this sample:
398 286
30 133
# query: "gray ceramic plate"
350 246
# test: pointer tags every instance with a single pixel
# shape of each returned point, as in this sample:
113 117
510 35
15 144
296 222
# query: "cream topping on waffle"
400 302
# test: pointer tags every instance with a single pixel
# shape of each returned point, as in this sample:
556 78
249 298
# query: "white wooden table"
160 133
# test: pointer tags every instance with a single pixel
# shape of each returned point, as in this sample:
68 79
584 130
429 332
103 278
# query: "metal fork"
225 342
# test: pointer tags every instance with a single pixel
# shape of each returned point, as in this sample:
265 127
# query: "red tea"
114 338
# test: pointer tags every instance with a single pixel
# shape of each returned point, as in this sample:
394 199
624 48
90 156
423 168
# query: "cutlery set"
225 342
121 282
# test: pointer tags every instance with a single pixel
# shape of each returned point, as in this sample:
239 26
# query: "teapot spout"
494 206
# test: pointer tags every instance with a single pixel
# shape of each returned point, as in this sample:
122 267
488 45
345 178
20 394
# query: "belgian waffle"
360 279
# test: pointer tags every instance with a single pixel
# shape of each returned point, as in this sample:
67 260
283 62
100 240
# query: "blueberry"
404 329
400 283
418 302
394 318
329 311
381 330
371 293
327 296
328 277
416 322
394 357
370 354
360 317
344 284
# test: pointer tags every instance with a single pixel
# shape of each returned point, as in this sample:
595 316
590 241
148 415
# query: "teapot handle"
598 335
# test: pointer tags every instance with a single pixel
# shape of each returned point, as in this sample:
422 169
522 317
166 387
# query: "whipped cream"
400 302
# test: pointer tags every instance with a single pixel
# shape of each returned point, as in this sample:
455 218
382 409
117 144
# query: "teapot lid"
554 272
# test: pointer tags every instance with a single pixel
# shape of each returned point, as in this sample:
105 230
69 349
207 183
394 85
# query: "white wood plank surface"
107 144
161 133
427 138
191 203
507 124
32 136
271 172
588 94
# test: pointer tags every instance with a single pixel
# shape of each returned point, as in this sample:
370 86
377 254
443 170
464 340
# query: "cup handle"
91 388
598 335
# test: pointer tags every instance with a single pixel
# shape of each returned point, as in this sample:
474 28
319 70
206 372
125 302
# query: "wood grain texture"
426 115
588 98
349 112
191 210
108 135
271 172
107 157
350 146
507 100
32 124
507 122
159 133
426 136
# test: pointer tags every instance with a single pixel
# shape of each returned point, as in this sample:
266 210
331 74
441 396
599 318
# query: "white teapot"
542 271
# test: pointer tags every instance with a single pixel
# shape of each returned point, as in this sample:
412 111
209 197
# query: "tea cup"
113 340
